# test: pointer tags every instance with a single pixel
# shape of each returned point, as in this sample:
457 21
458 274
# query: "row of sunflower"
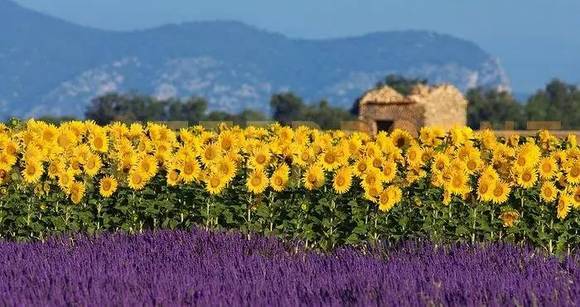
326 187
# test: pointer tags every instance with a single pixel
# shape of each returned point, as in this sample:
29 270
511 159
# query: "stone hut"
385 109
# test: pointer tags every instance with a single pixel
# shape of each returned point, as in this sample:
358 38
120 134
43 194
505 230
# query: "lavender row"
201 268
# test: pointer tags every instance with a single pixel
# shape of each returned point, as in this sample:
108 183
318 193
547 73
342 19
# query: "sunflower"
488 139
576 197
473 164
414 175
438 180
65 178
563 208
527 178
303 156
562 180
414 154
32 171
279 178
548 168
108 186
457 166
137 179
485 188
7 161
173 178
81 153
528 155
385 202
426 155
257 181
509 218
466 151
145 145
354 145
260 158
513 140
427 136
98 141
342 180
372 192
49 133
501 192
226 140
371 177
209 154
489 173
314 177
32 153
214 183
447 197
458 183
460 135
77 191
75 165
189 170
285 134
573 172
361 166
54 168
548 192
226 168
571 139
147 165
372 150
440 163
377 161
401 138
126 160
389 197
93 165
389 169
330 159
11 148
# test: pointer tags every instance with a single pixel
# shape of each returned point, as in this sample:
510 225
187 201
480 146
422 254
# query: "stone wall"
445 105
406 116
442 106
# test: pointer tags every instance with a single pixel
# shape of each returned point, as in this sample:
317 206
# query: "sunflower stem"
207 217
249 215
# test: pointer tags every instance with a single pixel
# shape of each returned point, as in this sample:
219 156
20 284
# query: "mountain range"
49 66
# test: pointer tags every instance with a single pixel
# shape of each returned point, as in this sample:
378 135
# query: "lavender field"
201 268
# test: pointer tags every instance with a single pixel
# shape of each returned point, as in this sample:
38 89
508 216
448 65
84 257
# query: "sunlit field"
322 188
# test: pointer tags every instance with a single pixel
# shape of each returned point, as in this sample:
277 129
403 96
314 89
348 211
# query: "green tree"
193 109
118 107
287 107
129 107
559 101
492 106
326 116
401 84
237 119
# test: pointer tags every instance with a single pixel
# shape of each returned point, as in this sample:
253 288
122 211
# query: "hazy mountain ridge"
52 66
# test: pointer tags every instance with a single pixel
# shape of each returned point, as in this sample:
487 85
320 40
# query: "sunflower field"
322 188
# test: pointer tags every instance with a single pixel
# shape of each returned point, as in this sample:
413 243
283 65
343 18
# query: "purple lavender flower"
201 268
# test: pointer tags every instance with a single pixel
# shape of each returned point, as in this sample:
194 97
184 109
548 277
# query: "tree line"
286 108
558 101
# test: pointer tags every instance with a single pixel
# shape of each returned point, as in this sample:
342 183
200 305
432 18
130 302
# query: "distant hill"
49 66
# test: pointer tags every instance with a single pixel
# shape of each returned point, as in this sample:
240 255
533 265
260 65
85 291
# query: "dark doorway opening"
384 125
